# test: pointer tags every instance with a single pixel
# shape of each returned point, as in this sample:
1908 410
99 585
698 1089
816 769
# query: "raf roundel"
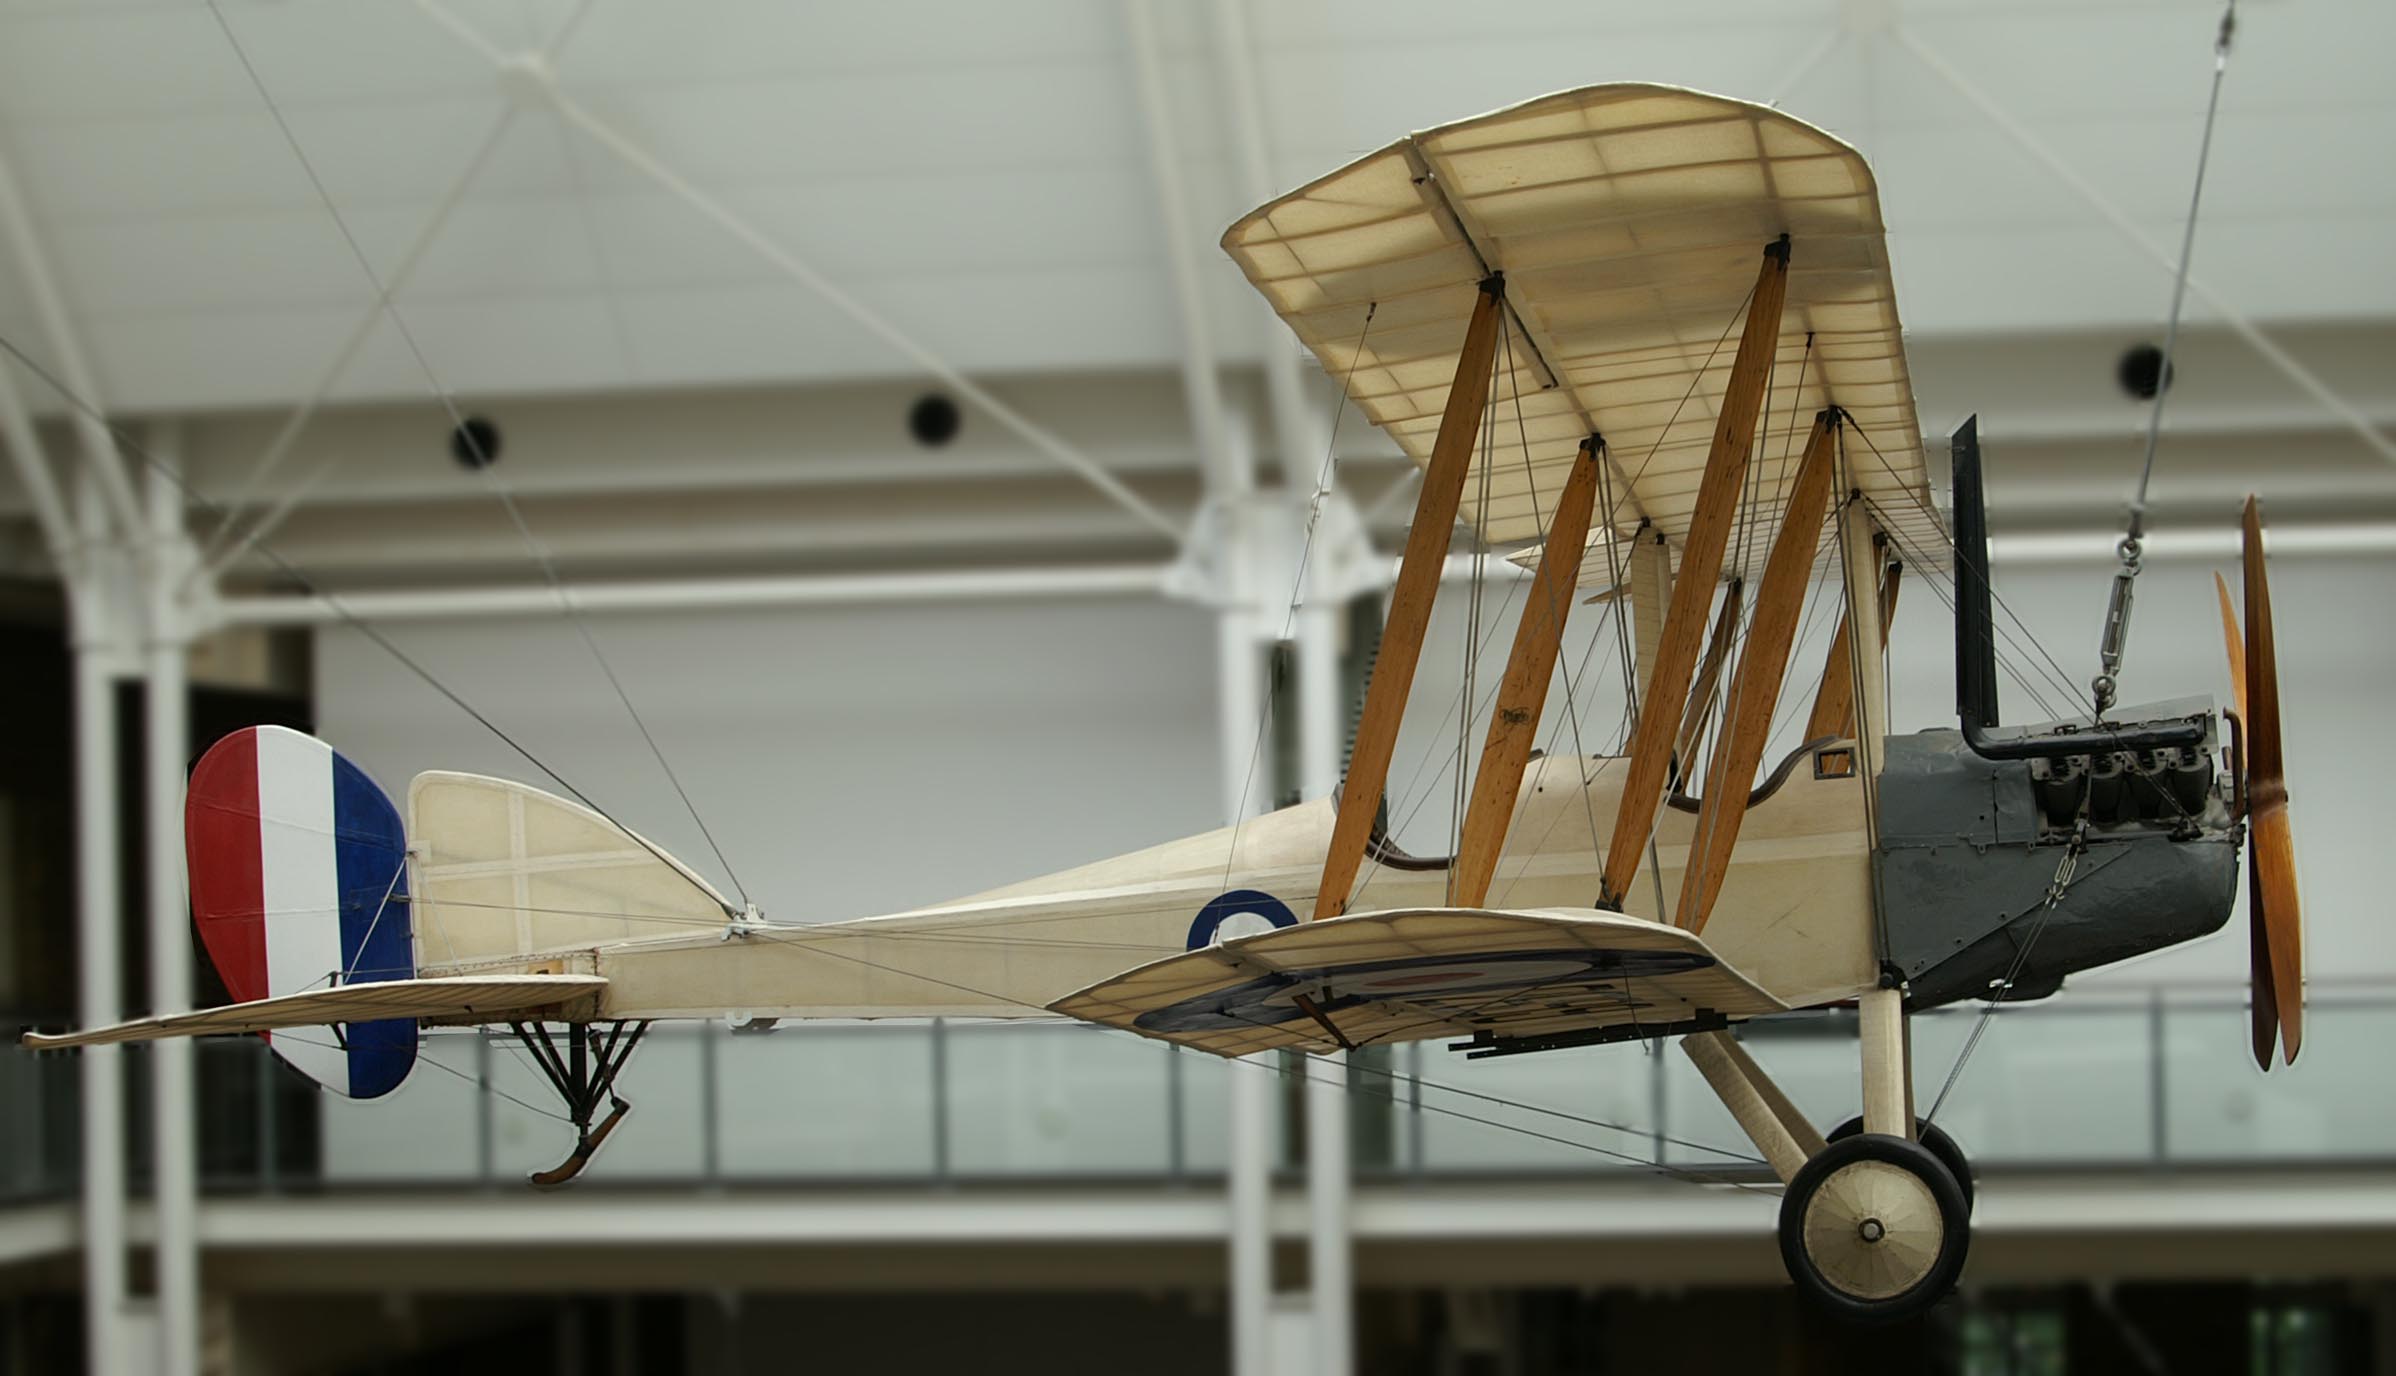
299 881
1241 912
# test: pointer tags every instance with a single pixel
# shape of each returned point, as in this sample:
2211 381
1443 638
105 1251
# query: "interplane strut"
1701 562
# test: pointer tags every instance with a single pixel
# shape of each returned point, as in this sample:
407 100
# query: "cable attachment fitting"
2116 642
750 922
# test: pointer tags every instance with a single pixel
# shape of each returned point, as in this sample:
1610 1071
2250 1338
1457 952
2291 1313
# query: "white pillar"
97 957
1251 1223
1249 1130
175 1187
1320 732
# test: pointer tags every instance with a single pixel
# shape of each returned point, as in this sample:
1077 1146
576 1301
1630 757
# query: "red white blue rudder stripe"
299 881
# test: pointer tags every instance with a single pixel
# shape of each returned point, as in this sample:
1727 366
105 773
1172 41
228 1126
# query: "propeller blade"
2230 636
2274 917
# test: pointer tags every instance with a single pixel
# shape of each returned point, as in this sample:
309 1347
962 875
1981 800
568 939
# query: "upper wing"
1628 220
450 997
1420 973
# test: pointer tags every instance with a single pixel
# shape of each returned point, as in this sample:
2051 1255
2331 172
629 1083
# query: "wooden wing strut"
1523 692
1756 688
1834 704
1410 603
1701 563
1701 697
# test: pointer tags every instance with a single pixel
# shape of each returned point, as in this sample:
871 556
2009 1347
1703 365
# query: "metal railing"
2117 1078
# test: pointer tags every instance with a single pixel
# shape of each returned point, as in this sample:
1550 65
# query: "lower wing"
456 996
1526 978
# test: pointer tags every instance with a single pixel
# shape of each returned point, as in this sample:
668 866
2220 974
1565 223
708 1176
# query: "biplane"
1609 325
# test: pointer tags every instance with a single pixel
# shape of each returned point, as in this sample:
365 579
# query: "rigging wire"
2179 286
340 609
1346 1084
2027 640
2114 644
482 465
1472 616
1569 589
1324 475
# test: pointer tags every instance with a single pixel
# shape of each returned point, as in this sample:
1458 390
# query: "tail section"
299 882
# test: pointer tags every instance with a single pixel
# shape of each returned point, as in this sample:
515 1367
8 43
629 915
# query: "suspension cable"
2116 639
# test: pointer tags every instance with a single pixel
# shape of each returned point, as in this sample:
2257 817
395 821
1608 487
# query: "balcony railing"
2133 1079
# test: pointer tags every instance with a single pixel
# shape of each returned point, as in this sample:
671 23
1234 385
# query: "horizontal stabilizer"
1423 973
447 997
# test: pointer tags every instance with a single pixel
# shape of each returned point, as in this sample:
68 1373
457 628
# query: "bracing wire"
340 609
1325 473
2179 285
1472 621
1676 1172
1565 590
482 464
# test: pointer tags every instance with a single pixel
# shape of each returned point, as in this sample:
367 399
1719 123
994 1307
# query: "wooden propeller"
2275 926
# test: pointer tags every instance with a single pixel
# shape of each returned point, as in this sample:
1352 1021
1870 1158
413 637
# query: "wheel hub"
1873 1229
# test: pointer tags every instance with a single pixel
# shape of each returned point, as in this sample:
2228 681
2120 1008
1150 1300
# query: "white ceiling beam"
1230 474
41 286
530 77
215 558
713 594
26 455
2237 319
1295 428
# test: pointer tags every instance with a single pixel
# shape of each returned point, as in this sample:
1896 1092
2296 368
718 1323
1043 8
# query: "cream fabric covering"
1629 221
1424 973
469 997
504 870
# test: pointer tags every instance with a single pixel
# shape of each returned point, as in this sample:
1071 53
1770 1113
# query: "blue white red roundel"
299 881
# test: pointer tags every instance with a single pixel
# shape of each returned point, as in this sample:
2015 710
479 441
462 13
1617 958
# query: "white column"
97 957
167 740
1250 1112
1320 732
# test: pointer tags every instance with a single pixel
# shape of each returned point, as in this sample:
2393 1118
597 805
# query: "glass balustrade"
2119 1079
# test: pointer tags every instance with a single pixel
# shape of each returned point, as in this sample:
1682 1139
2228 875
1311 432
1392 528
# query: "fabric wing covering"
453 998
1416 974
1629 221
504 870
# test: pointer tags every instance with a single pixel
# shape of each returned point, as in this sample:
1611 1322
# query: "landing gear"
1874 1224
1942 1146
1874 1228
583 1074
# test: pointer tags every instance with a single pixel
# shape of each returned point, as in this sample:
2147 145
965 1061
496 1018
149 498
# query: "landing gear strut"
583 1074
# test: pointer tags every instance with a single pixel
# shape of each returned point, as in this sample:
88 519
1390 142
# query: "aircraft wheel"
1942 1146
1874 1229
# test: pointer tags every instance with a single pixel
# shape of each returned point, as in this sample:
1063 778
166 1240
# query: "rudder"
299 880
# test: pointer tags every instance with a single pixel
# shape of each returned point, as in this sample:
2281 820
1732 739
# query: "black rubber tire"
1942 1146
1955 1229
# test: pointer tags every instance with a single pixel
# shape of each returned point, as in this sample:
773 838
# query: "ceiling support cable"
536 79
2296 371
